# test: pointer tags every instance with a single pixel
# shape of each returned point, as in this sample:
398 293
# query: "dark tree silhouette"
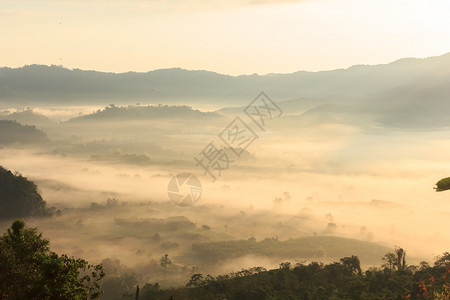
29 270
19 197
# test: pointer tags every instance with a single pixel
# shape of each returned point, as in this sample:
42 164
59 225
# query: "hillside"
342 279
54 84
29 117
14 132
19 197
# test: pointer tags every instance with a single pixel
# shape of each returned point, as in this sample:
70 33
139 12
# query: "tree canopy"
443 185
338 280
29 270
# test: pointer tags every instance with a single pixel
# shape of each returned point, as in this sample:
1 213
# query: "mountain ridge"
56 84
397 61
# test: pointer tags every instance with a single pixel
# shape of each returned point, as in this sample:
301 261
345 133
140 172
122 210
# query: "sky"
229 37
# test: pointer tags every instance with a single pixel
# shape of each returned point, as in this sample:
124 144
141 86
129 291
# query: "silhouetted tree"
401 259
29 270
164 262
352 264
390 260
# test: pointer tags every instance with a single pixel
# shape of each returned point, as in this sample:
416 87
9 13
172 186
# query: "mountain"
411 107
55 84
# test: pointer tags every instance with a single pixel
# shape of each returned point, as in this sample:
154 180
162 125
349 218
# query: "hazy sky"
226 36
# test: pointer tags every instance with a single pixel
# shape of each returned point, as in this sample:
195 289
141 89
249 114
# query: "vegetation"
338 280
29 270
443 185
149 112
19 197
312 247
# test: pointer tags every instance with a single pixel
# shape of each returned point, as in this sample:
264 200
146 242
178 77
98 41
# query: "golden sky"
231 37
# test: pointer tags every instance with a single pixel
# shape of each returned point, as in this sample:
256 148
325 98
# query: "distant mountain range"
408 93
38 84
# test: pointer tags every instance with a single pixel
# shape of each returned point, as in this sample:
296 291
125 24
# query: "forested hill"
19 197
56 84
14 132
133 113
343 279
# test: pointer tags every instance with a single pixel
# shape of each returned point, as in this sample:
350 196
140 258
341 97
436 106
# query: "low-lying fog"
374 184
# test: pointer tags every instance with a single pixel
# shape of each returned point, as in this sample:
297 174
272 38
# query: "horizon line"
223 74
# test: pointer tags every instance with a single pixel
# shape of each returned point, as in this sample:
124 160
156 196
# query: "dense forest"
338 280
31 271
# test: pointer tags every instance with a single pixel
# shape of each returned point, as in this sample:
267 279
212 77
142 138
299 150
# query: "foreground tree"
29 270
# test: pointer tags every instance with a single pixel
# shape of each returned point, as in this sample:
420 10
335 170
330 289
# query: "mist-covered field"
374 184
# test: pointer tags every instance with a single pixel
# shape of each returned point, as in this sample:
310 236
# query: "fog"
374 185
317 184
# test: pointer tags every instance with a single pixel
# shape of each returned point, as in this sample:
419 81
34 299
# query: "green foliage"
443 184
29 270
19 197
352 264
443 260
339 280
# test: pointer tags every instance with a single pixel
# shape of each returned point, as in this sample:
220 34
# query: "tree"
443 261
352 264
29 270
390 260
164 262
395 260
196 280
401 259
285 265
443 185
